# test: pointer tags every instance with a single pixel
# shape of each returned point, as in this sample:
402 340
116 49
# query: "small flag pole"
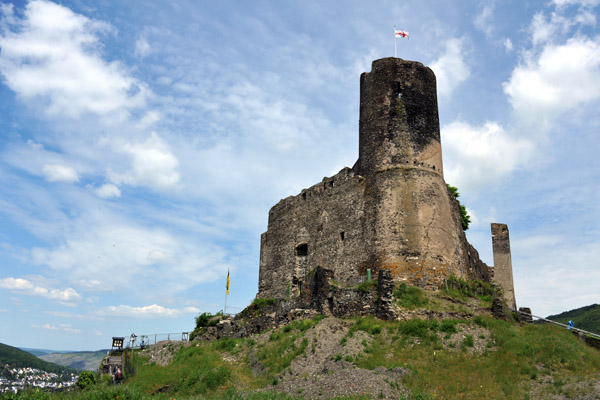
395 43
226 293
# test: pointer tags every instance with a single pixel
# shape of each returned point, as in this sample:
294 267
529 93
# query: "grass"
282 347
516 358
504 372
410 296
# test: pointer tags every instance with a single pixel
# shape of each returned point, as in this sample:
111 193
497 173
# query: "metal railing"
559 324
153 338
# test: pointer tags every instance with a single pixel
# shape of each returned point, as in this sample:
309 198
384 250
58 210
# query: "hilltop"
17 358
445 345
587 318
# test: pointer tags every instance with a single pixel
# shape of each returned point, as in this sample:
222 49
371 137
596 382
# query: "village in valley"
17 379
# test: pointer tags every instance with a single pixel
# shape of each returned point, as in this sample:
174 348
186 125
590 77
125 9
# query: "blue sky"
143 143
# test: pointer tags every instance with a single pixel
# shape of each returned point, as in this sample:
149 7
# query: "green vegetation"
460 289
283 346
586 318
410 296
203 321
86 379
259 303
477 358
465 218
17 358
504 369
366 286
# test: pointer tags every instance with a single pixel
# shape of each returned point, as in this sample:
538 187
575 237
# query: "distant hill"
587 318
40 352
83 360
17 358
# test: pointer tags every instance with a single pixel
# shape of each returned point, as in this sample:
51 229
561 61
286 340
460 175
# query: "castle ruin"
392 211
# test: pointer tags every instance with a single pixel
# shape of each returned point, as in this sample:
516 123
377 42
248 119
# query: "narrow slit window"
342 235
302 250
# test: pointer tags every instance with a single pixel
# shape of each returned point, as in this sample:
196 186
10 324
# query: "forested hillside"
17 358
587 318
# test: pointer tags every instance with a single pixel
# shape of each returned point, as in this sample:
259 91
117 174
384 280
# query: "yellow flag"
228 282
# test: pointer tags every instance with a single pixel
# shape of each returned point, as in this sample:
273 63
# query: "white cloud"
104 252
26 287
151 311
153 164
586 3
107 191
98 333
60 173
61 327
450 69
477 155
585 18
46 326
508 45
562 77
483 20
142 47
53 55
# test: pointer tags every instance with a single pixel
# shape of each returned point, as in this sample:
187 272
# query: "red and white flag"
402 34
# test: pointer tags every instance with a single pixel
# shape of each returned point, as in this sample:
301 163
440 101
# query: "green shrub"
415 328
86 379
465 219
259 303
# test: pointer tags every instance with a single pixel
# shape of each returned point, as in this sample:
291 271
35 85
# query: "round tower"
412 222
399 123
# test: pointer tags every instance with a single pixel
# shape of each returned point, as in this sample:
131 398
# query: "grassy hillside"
587 318
460 353
82 360
17 358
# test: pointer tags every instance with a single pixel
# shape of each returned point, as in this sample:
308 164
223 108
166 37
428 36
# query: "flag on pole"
402 34
228 282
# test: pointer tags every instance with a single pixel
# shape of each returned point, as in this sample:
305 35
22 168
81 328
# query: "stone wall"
392 211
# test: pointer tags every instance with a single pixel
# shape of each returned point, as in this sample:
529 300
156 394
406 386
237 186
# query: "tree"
86 378
465 218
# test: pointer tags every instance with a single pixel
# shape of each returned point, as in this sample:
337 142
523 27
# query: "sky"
142 144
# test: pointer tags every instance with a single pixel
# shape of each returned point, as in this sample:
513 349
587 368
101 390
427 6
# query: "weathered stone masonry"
392 211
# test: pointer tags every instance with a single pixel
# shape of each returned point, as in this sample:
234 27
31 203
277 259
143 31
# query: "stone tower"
391 211
503 263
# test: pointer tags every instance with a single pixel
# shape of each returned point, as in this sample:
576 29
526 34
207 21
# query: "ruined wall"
391 211
321 227
503 263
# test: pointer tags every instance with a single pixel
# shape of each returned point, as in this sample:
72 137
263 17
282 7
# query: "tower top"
399 122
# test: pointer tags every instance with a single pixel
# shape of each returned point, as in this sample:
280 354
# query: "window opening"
342 235
302 250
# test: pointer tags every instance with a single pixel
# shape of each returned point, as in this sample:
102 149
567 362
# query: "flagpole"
395 43
226 294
